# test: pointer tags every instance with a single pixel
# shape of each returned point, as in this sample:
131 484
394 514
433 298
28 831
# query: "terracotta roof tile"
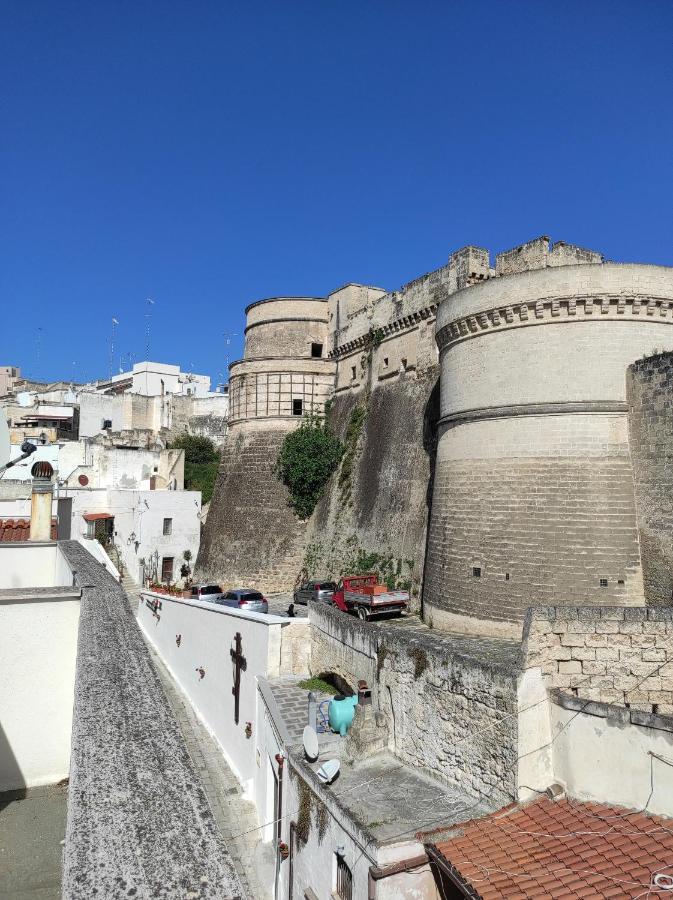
17 530
558 850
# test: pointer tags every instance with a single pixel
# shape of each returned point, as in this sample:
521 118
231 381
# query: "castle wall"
650 403
533 496
252 538
375 508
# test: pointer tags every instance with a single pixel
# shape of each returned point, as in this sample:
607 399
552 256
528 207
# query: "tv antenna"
115 322
148 320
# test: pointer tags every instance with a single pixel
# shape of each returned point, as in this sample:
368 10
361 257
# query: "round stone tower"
533 500
252 538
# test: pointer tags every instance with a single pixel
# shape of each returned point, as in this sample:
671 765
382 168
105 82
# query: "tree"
201 462
307 458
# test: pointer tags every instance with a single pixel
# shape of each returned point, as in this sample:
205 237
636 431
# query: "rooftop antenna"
148 319
115 322
38 348
228 335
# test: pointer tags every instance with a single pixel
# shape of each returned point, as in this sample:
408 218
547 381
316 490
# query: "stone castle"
498 431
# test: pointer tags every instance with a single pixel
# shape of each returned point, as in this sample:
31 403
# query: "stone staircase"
132 590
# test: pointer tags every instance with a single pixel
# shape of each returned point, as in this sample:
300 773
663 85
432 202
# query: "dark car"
246 599
314 590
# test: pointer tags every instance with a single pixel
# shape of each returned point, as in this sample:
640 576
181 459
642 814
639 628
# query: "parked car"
315 590
209 592
245 599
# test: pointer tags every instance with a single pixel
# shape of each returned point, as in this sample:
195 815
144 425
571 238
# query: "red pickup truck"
367 597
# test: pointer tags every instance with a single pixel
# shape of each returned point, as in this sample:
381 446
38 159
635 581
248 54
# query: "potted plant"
283 850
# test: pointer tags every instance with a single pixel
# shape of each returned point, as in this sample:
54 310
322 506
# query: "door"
167 569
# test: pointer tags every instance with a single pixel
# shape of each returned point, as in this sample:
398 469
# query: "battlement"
540 253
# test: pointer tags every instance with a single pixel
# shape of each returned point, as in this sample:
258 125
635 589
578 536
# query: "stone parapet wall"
623 657
450 703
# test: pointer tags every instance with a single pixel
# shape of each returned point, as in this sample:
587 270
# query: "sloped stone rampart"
623 657
381 510
253 539
450 702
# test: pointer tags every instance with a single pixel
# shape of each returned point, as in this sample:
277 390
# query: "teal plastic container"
340 714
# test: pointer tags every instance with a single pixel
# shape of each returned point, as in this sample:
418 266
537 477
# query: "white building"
153 379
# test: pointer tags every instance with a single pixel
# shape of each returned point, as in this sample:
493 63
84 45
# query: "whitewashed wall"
608 761
207 636
25 565
38 648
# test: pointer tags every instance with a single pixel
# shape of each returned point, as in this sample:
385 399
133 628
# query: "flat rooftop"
386 798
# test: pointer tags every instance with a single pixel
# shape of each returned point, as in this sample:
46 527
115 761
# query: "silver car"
245 599
315 590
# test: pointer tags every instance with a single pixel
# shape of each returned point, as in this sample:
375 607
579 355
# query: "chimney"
40 501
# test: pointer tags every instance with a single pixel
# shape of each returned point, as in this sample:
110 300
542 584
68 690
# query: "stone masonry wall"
252 539
443 702
649 389
611 655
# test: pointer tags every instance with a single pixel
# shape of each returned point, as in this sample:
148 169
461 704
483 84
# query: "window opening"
353 372
297 407
385 362
316 350
168 526
476 571
403 364
603 582
506 576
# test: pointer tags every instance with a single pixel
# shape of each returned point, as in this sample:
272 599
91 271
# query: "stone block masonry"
253 538
613 655
450 702
649 390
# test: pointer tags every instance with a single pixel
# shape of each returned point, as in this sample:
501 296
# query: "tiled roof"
559 849
19 530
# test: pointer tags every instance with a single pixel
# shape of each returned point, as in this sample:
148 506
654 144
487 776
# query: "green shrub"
307 458
201 463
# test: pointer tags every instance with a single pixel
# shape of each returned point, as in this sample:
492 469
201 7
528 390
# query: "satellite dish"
329 771
4 439
311 748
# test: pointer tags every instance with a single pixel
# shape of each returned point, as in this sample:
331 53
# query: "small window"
168 526
353 370
385 362
620 581
107 423
476 571
403 364
297 407
316 350
344 880
603 582
506 576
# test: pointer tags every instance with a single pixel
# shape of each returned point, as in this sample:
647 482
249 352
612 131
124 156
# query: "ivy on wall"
307 458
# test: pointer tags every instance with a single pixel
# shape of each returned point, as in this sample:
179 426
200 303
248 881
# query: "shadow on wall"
430 438
12 782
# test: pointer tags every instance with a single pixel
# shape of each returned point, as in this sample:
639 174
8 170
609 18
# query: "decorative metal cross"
240 665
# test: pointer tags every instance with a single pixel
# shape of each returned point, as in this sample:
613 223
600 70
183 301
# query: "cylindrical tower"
252 538
533 497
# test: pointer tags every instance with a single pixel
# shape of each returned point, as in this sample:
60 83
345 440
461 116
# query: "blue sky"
208 154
